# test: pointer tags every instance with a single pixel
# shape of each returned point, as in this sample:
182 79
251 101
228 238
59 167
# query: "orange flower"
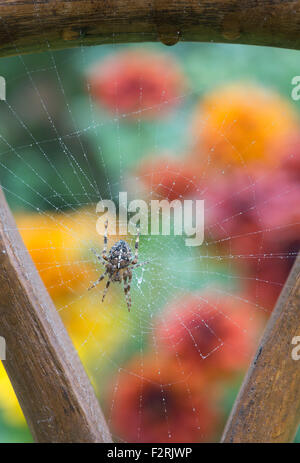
137 83
153 402
216 334
169 178
240 125
232 217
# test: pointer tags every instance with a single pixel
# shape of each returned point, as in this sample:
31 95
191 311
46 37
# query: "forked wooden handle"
51 385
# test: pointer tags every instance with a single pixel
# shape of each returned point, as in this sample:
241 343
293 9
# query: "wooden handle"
28 26
50 383
268 406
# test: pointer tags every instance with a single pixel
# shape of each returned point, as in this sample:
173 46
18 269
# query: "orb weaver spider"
118 264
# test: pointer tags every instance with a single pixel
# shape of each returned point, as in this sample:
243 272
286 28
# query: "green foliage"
58 80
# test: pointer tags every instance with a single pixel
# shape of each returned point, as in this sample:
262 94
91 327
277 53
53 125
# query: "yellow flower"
59 245
241 124
9 404
97 329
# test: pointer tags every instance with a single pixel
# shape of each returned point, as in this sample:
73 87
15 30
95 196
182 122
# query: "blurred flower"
169 178
265 279
239 125
262 212
97 330
9 404
154 402
55 247
59 245
232 218
258 225
137 83
289 151
278 208
210 333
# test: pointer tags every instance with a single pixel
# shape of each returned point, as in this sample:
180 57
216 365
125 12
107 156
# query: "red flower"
289 151
211 333
280 240
265 279
169 178
137 83
231 212
154 402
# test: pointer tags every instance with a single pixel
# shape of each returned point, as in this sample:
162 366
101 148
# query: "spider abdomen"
120 254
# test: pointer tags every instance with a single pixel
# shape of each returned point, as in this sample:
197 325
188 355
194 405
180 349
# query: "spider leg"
133 265
102 258
106 289
105 239
136 255
127 277
98 281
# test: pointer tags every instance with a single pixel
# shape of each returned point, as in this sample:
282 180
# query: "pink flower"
289 151
280 239
231 212
258 226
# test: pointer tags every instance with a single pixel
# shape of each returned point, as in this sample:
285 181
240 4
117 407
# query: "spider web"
59 155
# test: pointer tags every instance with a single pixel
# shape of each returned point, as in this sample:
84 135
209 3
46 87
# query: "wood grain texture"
51 385
268 406
28 26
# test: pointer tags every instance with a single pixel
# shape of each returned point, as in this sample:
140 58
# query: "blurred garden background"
194 121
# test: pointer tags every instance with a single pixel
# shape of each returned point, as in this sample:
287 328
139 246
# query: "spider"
118 264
